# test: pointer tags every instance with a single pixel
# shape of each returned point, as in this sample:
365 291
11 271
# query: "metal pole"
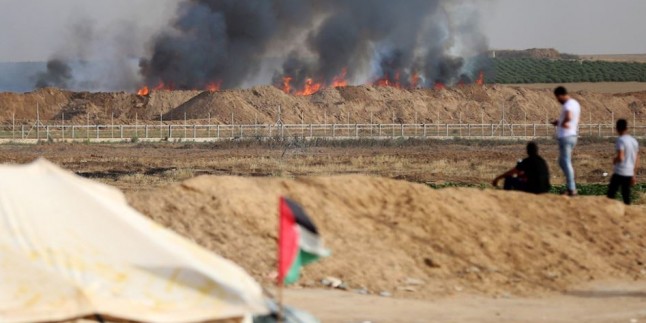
348 124
63 125
87 129
112 126
13 128
37 122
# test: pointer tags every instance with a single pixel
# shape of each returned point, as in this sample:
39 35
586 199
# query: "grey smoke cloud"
189 44
230 41
92 45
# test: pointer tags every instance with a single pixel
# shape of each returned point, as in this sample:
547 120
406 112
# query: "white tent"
70 247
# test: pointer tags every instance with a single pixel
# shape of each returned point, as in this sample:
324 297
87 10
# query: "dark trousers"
514 184
622 182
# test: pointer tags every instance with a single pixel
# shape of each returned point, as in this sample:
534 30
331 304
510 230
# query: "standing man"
567 131
626 163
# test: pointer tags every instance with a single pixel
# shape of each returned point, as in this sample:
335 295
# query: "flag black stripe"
301 217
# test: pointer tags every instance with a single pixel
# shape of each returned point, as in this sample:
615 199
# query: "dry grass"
146 166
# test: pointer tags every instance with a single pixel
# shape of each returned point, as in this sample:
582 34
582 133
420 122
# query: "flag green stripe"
303 258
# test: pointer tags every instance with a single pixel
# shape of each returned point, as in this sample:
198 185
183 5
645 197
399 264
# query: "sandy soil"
615 302
410 240
360 104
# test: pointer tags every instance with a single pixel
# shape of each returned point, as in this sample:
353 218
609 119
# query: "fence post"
22 131
311 131
194 132
447 130
73 133
121 131
534 130
469 129
356 131
146 131
47 132
334 130
380 130
599 130
492 130
218 129
425 130
97 132
170 131
402 128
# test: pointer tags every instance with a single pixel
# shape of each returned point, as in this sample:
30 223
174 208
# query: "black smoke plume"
58 75
231 42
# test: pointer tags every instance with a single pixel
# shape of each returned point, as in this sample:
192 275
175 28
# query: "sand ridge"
385 233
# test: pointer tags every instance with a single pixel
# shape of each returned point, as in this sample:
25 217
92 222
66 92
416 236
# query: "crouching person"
530 175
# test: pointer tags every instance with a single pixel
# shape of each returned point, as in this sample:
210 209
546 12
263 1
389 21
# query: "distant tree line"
530 70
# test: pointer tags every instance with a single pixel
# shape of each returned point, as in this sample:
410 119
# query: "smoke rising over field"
300 43
297 45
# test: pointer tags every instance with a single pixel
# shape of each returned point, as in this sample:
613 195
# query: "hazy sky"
574 26
37 29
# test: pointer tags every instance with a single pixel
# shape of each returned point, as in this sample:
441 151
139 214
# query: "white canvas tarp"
70 247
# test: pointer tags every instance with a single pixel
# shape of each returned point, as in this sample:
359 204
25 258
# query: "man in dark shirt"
531 175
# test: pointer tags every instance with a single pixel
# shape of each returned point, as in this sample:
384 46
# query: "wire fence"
305 131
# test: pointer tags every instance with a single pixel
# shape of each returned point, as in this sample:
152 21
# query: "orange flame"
386 81
287 84
214 86
481 79
144 91
161 86
310 88
340 80
440 86
414 80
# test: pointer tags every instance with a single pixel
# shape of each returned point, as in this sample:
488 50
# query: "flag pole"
280 279
281 306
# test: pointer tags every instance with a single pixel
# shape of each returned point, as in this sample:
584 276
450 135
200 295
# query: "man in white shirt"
626 163
567 131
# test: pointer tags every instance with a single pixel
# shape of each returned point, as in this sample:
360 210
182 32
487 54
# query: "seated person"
530 175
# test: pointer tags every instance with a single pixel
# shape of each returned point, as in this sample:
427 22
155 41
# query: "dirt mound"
535 53
391 235
365 104
360 104
245 106
100 107
48 102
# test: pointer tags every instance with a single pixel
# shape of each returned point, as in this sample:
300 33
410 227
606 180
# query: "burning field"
299 46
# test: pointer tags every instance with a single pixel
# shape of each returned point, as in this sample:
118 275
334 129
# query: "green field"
531 70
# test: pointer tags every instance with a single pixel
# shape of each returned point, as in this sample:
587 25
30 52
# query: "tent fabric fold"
70 247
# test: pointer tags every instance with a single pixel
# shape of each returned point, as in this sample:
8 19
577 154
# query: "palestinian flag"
299 243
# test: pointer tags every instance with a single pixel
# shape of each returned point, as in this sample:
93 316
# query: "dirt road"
615 302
